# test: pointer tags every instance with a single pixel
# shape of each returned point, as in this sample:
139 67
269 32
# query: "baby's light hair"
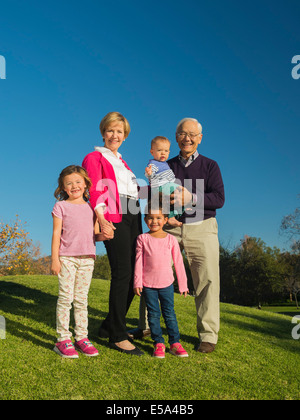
60 193
159 138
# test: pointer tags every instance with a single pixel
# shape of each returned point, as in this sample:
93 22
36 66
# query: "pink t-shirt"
153 263
77 236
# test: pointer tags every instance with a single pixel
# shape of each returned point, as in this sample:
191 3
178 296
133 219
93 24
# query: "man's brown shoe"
206 347
137 333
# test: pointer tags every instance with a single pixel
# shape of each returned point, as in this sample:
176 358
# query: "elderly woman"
114 196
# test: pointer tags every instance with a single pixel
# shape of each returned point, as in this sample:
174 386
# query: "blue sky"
226 63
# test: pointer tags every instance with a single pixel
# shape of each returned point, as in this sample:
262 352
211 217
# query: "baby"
160 176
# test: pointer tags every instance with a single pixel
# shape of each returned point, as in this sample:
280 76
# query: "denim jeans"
166 298
201 246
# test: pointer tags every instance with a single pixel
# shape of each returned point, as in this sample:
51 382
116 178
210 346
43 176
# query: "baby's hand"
138 291
184 293
148 171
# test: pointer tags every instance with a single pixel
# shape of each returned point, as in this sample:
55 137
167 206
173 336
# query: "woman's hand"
107 228
184 293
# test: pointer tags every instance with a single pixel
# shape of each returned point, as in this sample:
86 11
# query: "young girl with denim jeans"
154 278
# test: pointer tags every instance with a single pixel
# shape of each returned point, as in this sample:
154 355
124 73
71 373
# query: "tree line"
254 274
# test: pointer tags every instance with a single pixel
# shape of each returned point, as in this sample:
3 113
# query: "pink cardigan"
104 185
153 262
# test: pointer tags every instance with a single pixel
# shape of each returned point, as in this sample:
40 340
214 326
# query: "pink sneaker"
159 351
177 350
86 347
66 349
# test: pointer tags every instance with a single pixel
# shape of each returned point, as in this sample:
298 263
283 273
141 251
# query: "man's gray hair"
188 119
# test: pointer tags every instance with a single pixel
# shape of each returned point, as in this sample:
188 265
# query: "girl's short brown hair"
112 117
60 193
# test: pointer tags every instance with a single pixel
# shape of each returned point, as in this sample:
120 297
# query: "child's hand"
184 293
99 237
107 229
148 171
138 291
55 267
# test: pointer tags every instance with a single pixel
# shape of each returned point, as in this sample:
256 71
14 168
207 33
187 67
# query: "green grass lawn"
256 357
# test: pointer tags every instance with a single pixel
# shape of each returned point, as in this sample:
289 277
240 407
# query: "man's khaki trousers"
201 246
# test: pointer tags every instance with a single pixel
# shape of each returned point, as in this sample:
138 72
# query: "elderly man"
201 193
197 230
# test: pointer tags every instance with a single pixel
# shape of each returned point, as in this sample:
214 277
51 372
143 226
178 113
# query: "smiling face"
74 186
114 136
188 138
155 221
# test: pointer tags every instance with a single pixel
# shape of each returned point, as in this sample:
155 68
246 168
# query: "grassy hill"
256 357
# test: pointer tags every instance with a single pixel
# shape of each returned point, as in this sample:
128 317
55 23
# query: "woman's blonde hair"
112 117
60 193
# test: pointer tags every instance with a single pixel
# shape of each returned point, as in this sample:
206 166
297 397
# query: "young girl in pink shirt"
154 278
72 259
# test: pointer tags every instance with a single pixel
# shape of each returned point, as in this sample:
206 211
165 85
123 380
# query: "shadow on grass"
291 314
30 307
269 327
147 344
34 317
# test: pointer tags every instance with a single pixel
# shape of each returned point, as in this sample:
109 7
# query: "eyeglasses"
183 134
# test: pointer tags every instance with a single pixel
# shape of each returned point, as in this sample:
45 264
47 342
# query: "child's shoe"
86 347
159 351
177 350
66 349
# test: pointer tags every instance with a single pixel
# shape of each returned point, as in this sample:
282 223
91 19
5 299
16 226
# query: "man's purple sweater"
202 168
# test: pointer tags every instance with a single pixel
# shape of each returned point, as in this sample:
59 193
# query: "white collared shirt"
126 180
